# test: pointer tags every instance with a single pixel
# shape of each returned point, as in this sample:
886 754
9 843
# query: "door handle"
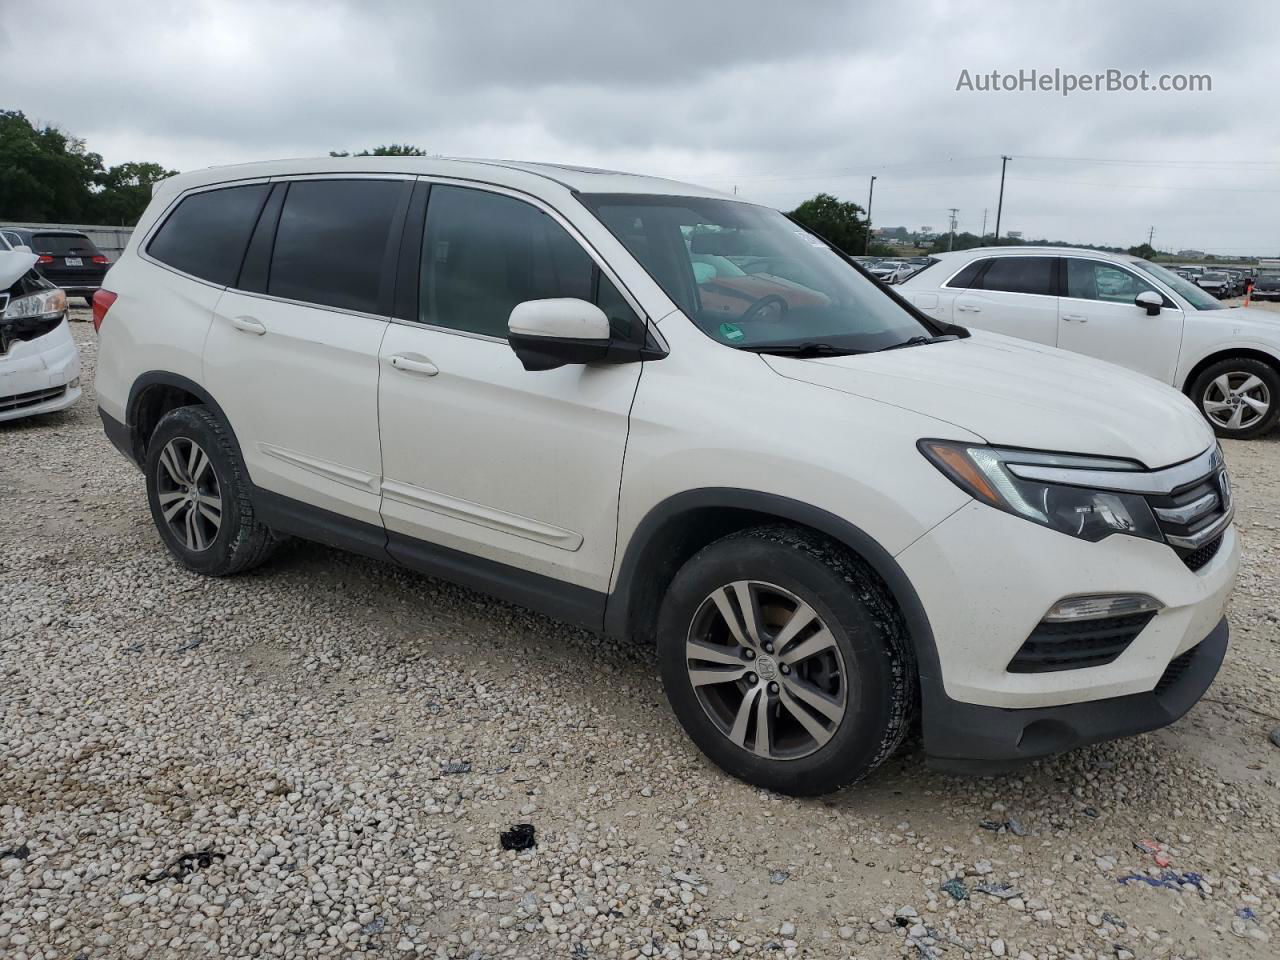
1075 318
249 325
415 365
968 308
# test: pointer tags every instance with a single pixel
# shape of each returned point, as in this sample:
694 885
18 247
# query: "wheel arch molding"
1249 350
679 526
143 388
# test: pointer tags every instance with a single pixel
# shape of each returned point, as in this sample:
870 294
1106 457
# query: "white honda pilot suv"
653 410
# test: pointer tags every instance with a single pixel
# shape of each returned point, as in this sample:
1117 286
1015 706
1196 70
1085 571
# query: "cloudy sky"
781 100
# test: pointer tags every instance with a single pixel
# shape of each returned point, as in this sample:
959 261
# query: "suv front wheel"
199 495
785 660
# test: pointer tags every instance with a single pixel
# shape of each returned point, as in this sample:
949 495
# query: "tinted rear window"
332 241
63 244
966 277
206 235
1021 275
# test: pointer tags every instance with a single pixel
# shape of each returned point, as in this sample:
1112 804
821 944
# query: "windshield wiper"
806 349
918 342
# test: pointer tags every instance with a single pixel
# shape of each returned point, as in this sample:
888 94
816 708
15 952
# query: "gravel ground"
344 742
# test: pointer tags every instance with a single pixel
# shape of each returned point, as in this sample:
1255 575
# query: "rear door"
292 353
1098 317
1013 295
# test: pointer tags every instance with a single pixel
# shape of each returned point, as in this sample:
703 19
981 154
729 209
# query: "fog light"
1102 605
74 383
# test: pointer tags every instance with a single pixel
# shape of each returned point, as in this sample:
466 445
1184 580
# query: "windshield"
750 278
1183 287
1213 276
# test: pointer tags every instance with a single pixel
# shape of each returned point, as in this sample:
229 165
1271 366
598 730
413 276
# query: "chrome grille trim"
1126 481
1191 512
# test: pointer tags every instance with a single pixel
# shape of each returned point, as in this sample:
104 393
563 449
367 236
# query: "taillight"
98 259
44 258
102 301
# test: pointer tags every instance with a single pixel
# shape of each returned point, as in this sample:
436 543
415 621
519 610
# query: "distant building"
1013 234
1190 254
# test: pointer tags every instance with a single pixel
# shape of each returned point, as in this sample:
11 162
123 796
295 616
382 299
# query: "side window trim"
255 268
602 268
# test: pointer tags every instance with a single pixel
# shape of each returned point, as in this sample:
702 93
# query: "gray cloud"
782 100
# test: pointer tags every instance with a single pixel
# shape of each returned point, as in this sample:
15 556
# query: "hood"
1020 394
13 265
1266 322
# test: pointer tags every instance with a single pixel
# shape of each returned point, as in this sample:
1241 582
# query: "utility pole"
735 189
984 223
1000 203
1151 235
871 192
952 239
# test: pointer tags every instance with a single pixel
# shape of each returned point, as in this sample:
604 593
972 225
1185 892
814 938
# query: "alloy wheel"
766 670
188 493
1236 400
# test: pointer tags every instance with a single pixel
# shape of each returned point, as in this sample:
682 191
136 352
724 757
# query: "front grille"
19 400
1193 512
1198 558
1174 671
1076 644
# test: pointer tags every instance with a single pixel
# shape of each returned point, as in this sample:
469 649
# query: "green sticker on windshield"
731 331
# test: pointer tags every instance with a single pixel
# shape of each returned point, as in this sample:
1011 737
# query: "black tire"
241 542
877 663
1206 391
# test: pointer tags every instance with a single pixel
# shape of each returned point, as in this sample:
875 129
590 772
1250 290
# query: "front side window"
750 278
1095 280
1180 285
332 240
483 253
207 233
1021 275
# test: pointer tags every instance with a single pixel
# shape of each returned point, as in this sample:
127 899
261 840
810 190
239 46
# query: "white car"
830 512
39 362
891 271
1119 308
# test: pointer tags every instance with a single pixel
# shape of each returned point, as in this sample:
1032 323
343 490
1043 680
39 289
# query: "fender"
671 514
164 378
1226 348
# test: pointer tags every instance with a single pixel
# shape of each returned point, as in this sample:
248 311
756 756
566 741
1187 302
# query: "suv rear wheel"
199 495
1239 396
785 661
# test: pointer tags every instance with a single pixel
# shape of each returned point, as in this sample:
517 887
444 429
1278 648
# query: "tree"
1143 250
386 150
123 191
47 175
839 222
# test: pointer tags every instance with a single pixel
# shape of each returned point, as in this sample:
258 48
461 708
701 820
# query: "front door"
1098 317
480 456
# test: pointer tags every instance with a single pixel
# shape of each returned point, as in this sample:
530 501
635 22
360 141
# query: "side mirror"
546 334
1151 301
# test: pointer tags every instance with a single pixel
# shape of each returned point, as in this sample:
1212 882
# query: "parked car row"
893 269
1222 282
830 508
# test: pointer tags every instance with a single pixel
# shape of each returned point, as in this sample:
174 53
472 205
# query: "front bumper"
968 738
985 580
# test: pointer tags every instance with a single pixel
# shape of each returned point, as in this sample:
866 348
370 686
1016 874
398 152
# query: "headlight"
982 472
46 303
